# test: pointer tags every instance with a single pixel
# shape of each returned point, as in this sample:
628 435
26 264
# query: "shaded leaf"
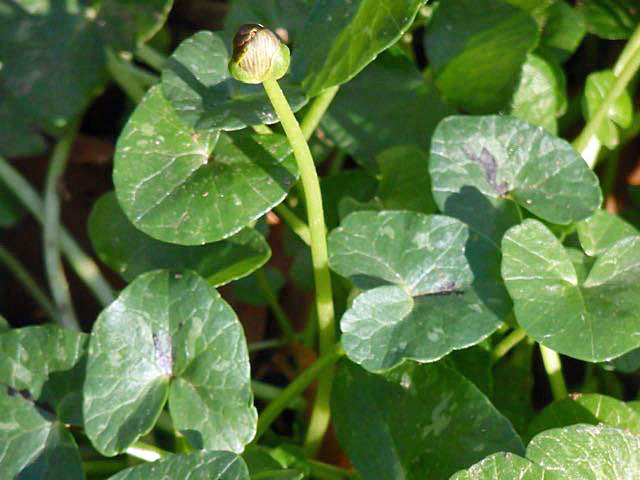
182 186
563 31
483 40
194 466
600 231
415 422
497 155
197 83
130 252
150 344
475 364
18 135
11 210
612 19
363 122
594 320
424 295
4 325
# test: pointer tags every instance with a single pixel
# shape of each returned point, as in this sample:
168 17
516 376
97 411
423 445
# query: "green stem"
624 70
507 343
272 300
146 452
267 344
265 391
319 257
317 110
553 367
103 468
262 129
27 281
325 471
123 77
51 230
295 389
298 226
151 57
82 263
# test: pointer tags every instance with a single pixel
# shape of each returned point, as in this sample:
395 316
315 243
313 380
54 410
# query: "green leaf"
596 319
499 156
598 85
585 451
176 187
424 287
600 231
627 363
34 444
590 408
612 19
194 466
563 32
150 344
47 365
247 290
279 16
504 466
415 422
197 83
130 252
355 183
18 135
537 8
4 325
483 40
364 126
341 38
11 210
404 179
537 97
475 364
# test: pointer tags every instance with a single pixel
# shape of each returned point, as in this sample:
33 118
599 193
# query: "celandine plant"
455 241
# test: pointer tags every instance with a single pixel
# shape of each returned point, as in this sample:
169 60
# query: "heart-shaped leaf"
130 252
600 231
594 319
504 466
197 83
590 408
341 38
364 126
176 187
192 466
502 156
423 276
415 422
483 40
150 344
41 377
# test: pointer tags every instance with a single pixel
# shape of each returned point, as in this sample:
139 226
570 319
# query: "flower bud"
258 55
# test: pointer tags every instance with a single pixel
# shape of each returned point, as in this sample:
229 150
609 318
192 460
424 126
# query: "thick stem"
121 73
319 256
24 277
151 56
624 70
317 110
82 264
507 343
51 230
295 389
553 367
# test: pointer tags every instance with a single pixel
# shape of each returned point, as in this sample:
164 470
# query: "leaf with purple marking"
149 345
428 288
507 160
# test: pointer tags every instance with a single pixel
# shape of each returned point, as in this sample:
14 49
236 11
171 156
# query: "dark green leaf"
537 97
590 408
594 320
600 231
11 209
341 38
537 8
150 338
504 466
627 363
197 83
130 252
34 444
364 122
247 290
475 364
424 293
355 183
415 422
176 187
47 365
612 19
404 180
4 325
483 40
498 155
563 31
192 466
18 136
585 451
620 113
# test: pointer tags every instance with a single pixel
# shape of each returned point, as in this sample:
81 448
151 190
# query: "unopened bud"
258 55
